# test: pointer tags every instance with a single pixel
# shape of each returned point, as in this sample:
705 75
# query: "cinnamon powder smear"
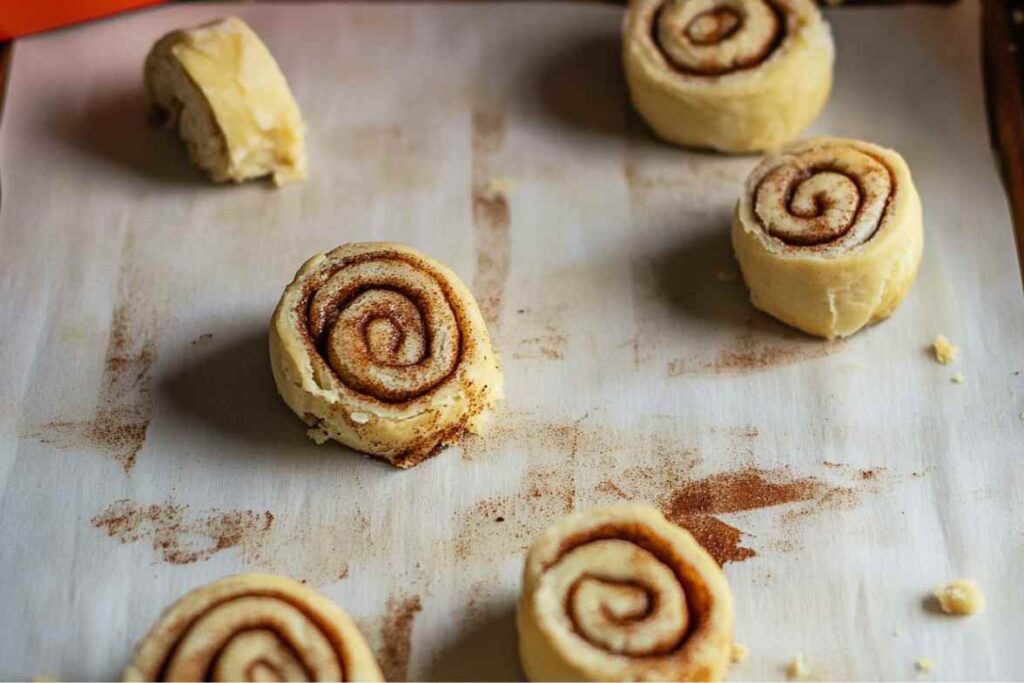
125 402
124 408
179 537
490 215
752 352
721 540
693 504
396 636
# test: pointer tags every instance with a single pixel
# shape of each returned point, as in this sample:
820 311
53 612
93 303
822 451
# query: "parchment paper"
143 450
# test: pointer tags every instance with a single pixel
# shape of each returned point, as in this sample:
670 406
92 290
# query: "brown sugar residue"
396 635
751 352
178 536
316 548
695 504
747 489
125 402
610 487
721 540
545 347
547 493
560 476
122 416
515 431
584 463
539 333
491 216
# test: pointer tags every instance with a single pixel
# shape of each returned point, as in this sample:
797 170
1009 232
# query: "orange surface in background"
22 17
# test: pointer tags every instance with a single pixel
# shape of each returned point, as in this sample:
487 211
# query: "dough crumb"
958 378
501 185
924 665
1018 16
739 653
725 275
960 597
318 435
945 350
1022 416
896 633
797 668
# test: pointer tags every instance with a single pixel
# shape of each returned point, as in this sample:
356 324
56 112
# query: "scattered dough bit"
958 378
1018 16
924 665
739 653
1022 416
945 350
896 633
219 88
501 185
725 275
797 668
318 435
960 597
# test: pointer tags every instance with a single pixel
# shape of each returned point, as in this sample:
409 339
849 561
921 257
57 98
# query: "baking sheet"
143 450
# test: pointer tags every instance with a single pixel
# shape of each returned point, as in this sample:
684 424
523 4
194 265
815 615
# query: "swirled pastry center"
831 196
715 37
386 328
258 656
620 598
241 629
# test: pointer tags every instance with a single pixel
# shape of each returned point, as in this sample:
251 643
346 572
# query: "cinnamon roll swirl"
383 349
254 627
829 235
622 594
731 75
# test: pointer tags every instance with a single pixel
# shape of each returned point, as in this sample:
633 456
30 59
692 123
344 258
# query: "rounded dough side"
159 643
834 295
406 433
753 110
549 653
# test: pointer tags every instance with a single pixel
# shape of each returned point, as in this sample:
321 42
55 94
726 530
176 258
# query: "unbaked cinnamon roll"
829 235
385 350
220 89
731 75
622 594
254 627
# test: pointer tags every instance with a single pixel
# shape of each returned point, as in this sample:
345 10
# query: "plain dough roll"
829 235
219 87
383 349
732 75
254 627
622 594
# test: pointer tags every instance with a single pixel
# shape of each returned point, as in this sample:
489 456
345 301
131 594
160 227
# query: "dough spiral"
829 235
731 75
385 350
254 627
618 594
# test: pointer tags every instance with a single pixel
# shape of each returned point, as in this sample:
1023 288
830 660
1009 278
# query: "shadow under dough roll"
622 594
383 349
253 627
736 76
829 235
